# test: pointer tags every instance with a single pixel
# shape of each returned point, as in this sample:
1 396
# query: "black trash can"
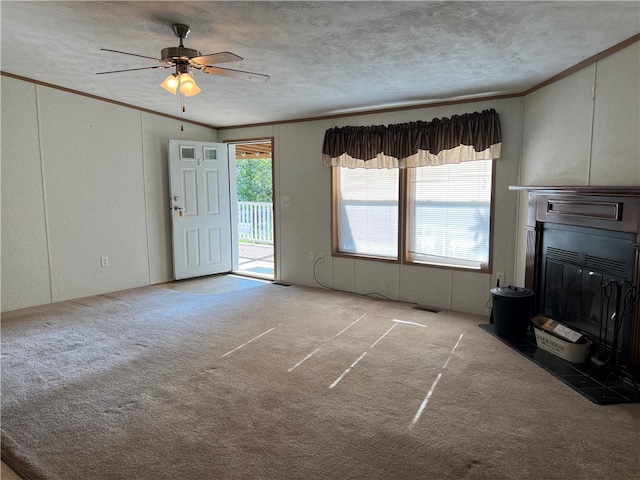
511 312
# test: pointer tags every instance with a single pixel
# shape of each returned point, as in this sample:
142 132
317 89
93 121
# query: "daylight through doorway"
254 187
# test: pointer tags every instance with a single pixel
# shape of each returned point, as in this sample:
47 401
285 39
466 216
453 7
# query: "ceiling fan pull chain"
182 110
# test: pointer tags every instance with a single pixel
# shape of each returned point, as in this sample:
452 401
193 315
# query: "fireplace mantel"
613 208
577 190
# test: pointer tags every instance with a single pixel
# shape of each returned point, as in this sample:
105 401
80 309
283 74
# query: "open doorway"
254 187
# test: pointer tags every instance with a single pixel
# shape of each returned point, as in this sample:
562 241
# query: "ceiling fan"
183 58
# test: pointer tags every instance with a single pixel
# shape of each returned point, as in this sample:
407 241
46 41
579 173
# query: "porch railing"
255 222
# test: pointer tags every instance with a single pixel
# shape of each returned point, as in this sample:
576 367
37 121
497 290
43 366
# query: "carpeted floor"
289 383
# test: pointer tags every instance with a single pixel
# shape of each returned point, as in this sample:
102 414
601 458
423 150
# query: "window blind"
449 214
368 211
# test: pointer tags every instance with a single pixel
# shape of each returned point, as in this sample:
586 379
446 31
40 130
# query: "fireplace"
578 239
575 263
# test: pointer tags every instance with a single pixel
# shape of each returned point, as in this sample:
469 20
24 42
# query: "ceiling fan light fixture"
188 86
171 83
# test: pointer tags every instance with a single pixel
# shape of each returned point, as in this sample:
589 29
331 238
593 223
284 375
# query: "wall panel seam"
593 116
44 191
146 199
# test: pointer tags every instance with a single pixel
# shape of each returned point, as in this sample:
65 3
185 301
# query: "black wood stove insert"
578 240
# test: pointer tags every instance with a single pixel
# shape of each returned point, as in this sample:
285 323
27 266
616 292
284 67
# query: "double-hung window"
441 218
367 212
418 193
449 215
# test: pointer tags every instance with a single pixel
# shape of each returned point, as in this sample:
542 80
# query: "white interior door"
201 208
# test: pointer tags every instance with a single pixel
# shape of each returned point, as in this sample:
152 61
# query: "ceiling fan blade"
227 72
134 69
215 58
134 55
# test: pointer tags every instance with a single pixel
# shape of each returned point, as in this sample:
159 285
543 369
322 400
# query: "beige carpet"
289 383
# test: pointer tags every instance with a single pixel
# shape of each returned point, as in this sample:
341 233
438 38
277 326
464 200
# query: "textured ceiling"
324 58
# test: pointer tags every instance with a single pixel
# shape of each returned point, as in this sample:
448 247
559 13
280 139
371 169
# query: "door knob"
179 210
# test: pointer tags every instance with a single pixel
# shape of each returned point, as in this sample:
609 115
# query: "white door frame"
234 196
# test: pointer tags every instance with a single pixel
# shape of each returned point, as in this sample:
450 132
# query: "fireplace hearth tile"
528 349
545 358
580 382
559 369
574 375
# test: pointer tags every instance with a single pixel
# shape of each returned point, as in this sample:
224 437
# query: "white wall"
615 152
82 179
305 226
583 130
25 259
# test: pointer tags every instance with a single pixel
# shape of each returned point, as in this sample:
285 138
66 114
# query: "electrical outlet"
312 256
104 261
320 257
500 278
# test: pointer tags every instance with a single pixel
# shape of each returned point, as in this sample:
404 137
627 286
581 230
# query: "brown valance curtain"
461 138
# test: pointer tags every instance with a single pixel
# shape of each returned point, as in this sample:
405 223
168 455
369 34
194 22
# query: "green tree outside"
253 177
